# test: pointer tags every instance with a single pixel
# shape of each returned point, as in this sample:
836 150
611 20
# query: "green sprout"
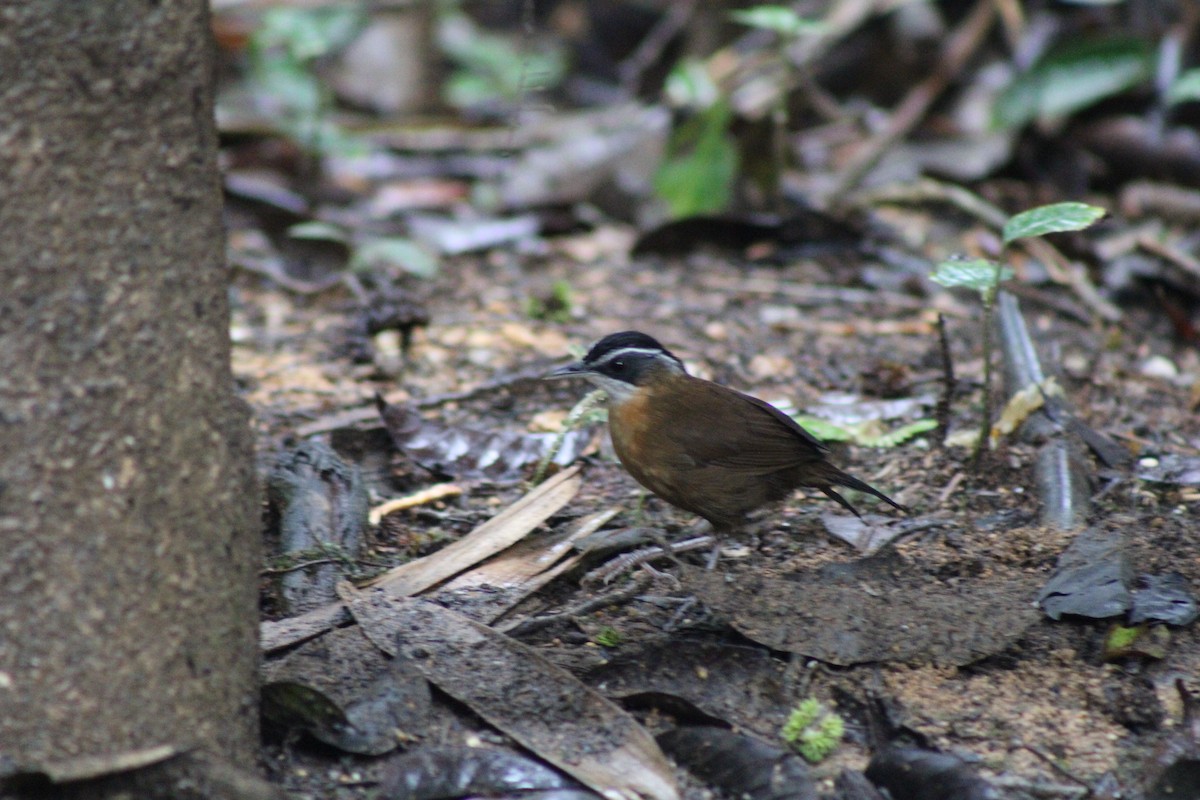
608 637
985 277
813 731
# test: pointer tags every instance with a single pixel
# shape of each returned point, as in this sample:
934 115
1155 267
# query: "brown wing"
769 440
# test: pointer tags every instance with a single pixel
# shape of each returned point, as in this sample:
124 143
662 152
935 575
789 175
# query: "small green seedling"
813 731
608 637
985 277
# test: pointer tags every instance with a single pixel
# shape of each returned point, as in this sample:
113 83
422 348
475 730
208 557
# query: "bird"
703 447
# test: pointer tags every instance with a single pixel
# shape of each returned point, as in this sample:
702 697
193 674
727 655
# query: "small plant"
869 433
696 177
608 637
788 27
702 160
985 277
813 731
1186 88
1072 77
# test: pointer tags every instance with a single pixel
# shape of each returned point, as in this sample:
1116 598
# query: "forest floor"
972 668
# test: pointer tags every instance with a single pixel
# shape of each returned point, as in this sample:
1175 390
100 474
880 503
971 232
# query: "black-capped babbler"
698 445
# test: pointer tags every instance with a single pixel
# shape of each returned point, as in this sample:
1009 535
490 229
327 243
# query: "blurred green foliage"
697 175
284 54
1073 77
492 69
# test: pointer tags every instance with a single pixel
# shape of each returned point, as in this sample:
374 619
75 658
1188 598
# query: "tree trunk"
128 503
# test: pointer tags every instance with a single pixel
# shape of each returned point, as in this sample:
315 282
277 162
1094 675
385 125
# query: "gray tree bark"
129 541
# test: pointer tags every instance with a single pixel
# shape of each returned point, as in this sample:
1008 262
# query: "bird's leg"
660 538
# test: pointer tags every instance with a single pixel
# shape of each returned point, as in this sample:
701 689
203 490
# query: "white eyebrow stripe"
628 351
608 358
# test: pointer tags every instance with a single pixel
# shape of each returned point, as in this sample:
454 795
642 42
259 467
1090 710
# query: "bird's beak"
573 370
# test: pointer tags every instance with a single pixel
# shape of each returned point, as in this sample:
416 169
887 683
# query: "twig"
610 569
962 43
495 384
1039 788
1054 765
1185 262
624 594
951 487
345 419
942 412
302 565
429 495
674 20
589 401
268 268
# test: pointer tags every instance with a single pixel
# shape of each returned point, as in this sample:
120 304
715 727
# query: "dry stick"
633 589
989 317
590 400
965 40
653 44
345 419
942 412
1185 262
634 558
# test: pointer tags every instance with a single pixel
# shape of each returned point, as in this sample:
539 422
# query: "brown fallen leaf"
874 609
497 534
541 706
485 593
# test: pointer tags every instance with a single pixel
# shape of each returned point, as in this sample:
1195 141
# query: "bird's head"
621 363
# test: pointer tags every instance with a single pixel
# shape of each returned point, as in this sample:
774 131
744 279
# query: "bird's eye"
618 365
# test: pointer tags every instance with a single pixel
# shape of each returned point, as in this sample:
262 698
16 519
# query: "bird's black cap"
624 340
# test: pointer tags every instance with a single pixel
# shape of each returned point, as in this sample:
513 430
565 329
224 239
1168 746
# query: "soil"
1040 703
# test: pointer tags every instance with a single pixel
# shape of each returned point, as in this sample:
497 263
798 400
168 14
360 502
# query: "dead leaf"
485 593
874 609
467 454
498 533
507 683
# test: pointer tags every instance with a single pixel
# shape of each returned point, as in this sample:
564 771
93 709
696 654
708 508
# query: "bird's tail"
840 478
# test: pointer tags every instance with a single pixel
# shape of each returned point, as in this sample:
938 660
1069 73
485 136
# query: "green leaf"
689 85
1072 78
309 33
782 19
321 231
823 429
492 67
901 435
697 178
974 273
404 253
1054 218
1186 87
